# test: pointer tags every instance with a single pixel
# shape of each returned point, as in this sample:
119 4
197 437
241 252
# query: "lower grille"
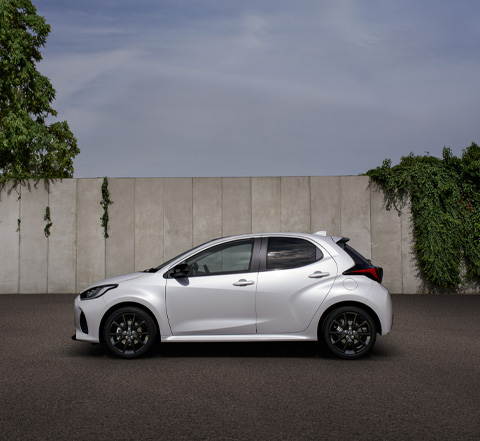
83 323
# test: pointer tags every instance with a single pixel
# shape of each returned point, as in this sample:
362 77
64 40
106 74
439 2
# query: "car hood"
117 280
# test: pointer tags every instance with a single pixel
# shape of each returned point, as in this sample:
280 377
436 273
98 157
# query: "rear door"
295 277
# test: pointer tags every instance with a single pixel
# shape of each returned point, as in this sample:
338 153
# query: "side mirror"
179 271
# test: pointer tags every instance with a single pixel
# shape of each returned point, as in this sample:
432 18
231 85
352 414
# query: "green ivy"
444 196
105 202
32 145
47 219
18 230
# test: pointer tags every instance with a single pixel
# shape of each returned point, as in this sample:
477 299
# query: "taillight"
372 272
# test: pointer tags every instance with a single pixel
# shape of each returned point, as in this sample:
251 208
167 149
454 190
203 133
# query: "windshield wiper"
151 270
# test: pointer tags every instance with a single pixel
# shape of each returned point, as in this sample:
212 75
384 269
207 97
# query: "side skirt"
235 338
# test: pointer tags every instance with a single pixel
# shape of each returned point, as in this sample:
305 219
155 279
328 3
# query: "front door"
218 295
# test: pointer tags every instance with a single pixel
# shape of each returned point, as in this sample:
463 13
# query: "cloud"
245 88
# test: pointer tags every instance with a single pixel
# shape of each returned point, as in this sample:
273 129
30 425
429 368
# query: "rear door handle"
318 275
243 282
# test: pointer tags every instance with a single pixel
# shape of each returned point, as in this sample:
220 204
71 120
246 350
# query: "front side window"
235 257
286 252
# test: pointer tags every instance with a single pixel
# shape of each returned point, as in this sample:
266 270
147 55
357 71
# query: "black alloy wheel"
349 332
129 332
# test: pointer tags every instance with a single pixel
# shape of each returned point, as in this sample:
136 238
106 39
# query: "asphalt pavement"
421 382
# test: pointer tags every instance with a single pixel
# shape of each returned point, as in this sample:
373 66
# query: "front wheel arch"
122 305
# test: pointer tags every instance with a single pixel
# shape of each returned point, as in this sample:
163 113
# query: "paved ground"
421 382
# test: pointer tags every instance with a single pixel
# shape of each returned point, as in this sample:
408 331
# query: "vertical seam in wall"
310 204
163 223
310 190
19 236
401 253
48 239
340 205
76 235
251 205
221 207
191 245
134 223
281 205
104 238
370 221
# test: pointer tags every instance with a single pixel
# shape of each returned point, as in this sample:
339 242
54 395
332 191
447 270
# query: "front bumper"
87 319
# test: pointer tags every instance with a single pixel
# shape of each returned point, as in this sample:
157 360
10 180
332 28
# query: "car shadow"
240 349
304 350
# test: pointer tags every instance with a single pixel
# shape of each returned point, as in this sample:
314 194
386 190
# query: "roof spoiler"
341 241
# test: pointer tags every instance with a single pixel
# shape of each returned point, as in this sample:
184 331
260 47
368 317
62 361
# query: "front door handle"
243 282
318 275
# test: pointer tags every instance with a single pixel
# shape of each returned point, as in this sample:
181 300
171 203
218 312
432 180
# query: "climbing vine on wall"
47 219
444 195
105 202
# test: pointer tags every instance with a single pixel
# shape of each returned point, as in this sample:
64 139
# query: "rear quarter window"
356 256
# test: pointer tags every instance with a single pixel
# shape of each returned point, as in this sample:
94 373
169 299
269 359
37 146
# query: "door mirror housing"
179 271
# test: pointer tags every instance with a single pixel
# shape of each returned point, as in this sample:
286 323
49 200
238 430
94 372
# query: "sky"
165 88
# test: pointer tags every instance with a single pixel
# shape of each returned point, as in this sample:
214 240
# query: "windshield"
168 262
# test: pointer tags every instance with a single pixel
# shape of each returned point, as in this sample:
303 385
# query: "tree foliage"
444 195
29 146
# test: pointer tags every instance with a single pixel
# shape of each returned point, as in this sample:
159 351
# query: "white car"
246 288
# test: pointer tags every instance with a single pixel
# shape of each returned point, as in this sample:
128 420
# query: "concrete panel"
386 241
266 205
411 281
355 212
236 206
207 209
120 245
90 240
325 204
62 242
295 204
148 223
33 243
9 241
154 219
178 233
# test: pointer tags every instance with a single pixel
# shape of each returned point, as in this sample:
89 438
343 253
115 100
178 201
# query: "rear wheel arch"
360 305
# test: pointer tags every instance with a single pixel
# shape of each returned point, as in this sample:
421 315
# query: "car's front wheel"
129 332
349 332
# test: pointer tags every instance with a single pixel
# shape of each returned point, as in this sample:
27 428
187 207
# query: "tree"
444 195
29 146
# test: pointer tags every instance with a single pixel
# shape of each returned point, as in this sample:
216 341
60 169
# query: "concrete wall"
154 219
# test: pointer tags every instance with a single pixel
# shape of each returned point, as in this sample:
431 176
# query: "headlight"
96 292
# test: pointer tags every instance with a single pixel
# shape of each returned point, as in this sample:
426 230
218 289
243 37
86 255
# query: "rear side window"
286 252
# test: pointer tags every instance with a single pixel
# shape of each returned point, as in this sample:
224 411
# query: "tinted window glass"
227 258
356 256
285 252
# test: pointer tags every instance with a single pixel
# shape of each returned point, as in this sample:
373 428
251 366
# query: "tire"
349 332
129 332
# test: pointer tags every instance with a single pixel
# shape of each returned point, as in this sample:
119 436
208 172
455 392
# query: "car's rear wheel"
349 332
129 332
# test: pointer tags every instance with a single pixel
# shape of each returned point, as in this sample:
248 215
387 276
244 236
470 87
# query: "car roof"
319 236
329 242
